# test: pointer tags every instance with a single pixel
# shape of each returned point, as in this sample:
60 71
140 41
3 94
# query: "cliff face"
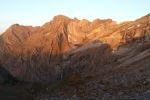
14 37
33 53
98 56
63 33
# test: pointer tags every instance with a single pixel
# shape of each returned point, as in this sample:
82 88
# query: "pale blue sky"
37 12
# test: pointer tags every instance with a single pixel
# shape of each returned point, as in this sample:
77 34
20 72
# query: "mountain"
114 57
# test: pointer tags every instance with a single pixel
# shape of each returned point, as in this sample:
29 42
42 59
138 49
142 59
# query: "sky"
37 12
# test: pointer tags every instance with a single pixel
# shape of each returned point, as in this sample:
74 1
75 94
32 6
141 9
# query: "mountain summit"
98 55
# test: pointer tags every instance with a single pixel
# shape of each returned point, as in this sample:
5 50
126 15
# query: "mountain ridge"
75 30
114 57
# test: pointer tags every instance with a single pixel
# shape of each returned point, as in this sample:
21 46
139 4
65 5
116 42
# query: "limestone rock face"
63 33
137 29
82 31
16 36
49 51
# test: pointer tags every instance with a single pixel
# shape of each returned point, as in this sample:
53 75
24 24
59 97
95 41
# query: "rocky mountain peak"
91 57
61 18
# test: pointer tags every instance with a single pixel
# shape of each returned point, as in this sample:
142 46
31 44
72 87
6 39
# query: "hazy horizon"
37 12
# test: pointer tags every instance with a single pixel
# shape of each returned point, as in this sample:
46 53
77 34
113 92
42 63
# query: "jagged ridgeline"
66 46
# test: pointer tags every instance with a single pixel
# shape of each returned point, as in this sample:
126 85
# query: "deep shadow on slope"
6 77
86 72
39 69
11 88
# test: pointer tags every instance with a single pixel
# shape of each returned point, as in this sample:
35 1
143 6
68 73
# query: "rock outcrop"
44 53
98 56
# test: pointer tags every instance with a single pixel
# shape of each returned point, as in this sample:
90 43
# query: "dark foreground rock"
6 77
